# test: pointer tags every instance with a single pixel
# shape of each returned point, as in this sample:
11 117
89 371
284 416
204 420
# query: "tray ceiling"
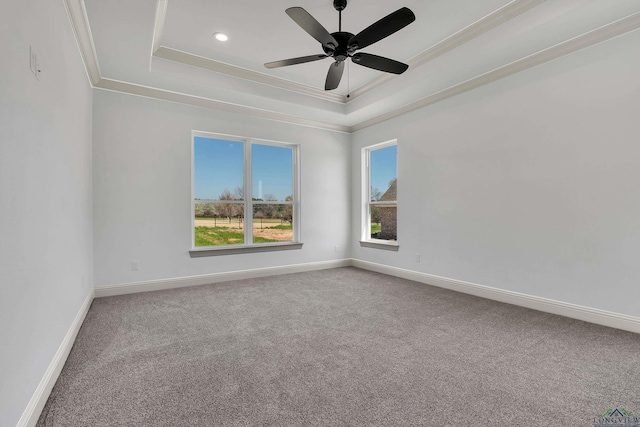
165 49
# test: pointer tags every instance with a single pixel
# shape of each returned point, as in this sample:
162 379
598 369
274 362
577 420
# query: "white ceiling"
262 32
164 48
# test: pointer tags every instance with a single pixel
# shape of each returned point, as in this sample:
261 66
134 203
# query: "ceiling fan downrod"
339 5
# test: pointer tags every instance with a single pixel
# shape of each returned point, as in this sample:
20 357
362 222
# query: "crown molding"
82 31
470 32
601 34
158 25
182 98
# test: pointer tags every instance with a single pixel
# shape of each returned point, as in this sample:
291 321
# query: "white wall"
45 195
529 184
142 189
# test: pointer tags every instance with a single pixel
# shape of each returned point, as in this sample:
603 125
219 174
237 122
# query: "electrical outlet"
135 265
417 257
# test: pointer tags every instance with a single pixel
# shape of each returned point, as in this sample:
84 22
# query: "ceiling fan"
342 45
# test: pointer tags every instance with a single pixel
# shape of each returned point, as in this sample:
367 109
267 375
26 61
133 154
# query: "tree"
376 212
205 210
287 211
209 210
260 215
198 209
226 209
375 194
238 193
268 209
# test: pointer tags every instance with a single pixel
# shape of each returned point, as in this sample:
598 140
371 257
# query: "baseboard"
574 311
181 282
32 412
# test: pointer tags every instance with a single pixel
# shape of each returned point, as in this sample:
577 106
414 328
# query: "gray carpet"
338 347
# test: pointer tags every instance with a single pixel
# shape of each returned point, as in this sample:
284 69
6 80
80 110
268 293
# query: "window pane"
272 172
384 182
384 222
219 223
383 167
272 223
218 169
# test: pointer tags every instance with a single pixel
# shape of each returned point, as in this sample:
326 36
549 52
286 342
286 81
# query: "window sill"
241 249
387 246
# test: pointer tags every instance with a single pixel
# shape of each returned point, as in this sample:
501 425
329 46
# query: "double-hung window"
245 195
380 204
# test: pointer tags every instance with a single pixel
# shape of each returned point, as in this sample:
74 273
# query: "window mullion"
295 205
368 192
248 202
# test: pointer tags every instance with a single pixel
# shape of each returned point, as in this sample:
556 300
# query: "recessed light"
221 37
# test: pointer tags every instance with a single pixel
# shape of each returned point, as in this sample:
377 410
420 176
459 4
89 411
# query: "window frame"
365 209
249 246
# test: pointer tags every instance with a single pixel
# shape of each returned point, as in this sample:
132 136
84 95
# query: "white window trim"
365 240
249 247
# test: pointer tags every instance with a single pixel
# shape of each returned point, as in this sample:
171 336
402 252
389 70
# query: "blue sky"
272 171
219 165
383 167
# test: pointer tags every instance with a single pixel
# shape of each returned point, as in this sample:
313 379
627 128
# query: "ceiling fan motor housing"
339 5
341 52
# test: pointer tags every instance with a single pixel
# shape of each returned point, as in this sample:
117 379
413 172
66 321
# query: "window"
380 207
244 193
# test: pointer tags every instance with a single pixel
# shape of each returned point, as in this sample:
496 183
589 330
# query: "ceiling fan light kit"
343 45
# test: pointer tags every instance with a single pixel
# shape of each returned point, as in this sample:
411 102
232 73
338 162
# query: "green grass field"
281 227
213 236
376 228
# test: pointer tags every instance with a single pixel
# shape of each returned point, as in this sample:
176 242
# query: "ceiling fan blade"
379 63
311 26
294 61
383 28
334 75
